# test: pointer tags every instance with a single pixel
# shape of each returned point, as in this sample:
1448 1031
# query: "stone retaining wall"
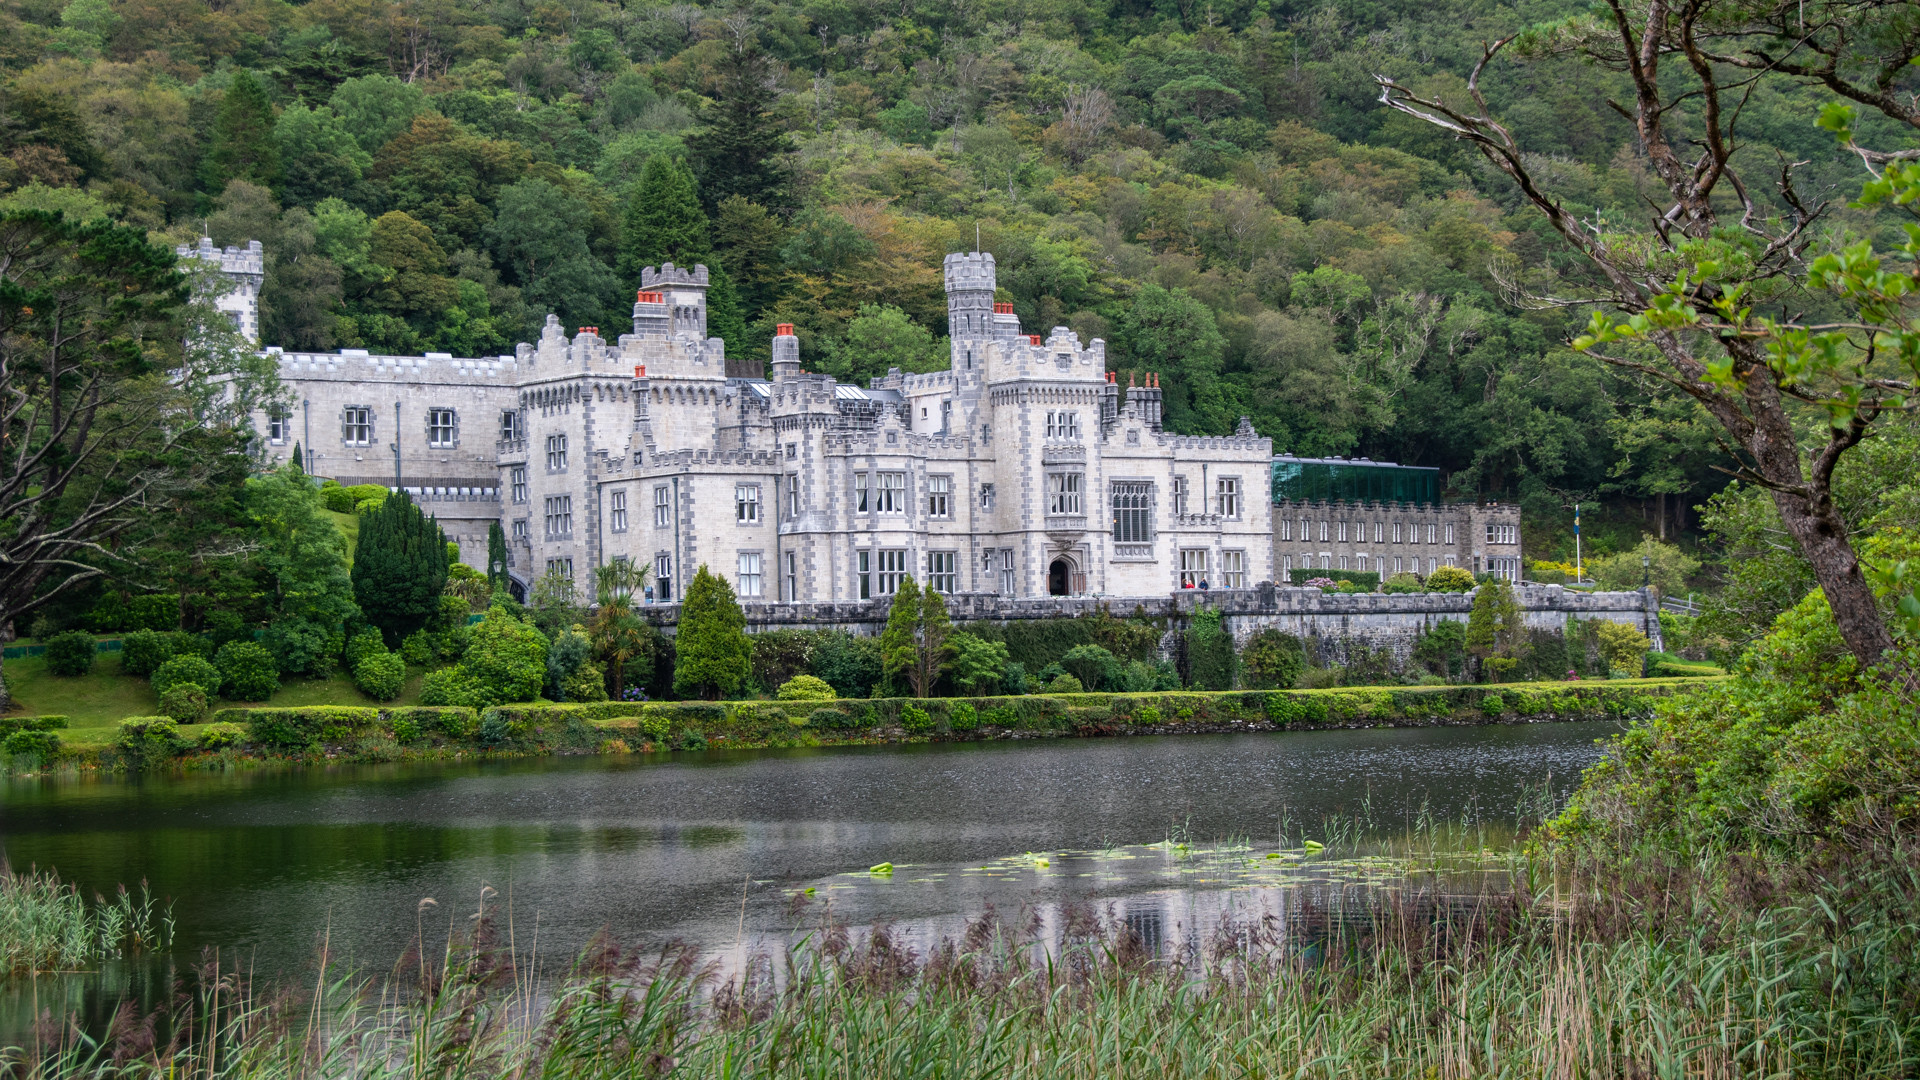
1380 620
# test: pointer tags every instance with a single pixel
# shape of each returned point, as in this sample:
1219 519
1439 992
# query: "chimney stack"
786 353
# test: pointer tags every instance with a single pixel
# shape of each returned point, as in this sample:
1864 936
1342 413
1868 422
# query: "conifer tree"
740 152
299 460
711 652
496 557
399 567
1494 628
664 222
918 637
243 146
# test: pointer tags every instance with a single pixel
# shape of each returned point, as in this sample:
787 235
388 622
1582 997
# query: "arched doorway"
1058 576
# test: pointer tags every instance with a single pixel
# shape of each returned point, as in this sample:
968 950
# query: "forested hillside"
1212 188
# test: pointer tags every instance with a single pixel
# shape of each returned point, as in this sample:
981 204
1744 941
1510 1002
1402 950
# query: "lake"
711 847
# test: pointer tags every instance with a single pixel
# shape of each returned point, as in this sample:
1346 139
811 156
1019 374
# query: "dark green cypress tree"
724 318
399 567
243 146
496 557
663 222
711 651
742 150
298 461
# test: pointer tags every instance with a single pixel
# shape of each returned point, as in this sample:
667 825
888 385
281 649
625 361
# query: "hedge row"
696 724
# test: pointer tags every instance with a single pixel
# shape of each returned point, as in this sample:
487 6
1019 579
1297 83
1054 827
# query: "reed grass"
48 926
1694 971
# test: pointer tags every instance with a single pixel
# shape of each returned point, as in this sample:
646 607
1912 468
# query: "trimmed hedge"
378 733
1302 575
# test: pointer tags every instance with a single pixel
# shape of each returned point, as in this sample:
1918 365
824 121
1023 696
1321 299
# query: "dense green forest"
1212 188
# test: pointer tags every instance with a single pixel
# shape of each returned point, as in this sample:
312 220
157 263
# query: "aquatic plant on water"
48 925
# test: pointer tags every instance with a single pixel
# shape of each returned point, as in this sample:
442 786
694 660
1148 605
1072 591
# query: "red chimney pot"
1035 338
784 329
1002 309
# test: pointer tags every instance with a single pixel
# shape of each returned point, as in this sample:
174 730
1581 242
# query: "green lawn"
97 701
350 528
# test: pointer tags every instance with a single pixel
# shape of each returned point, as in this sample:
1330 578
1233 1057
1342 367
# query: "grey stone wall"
1379 620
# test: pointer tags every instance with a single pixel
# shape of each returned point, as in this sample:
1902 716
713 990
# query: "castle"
1022 470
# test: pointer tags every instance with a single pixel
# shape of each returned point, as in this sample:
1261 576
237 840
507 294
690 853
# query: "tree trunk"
6 694
1822 536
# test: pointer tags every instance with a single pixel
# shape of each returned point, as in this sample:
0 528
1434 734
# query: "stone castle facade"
1022 470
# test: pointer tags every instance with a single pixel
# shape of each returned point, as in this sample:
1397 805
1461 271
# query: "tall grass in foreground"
1683 975
46 925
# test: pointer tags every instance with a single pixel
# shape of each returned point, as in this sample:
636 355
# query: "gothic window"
746 502
939 496
1063 493
662 507
1132 512
617 510
556 453
517 483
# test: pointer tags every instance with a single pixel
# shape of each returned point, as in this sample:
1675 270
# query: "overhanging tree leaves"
1707 298
107 423
399 567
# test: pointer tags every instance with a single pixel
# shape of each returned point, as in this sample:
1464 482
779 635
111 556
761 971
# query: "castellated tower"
970 285
684 292
786 353
246 268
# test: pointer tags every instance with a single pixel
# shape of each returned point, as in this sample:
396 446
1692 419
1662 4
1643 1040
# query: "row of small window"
1338 529
1376 564
356 427
1193 569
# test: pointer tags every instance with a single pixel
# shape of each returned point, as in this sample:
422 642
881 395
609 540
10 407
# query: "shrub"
1493 704
1402 583
380 675
148 739
247 671
1146 715
829 719
41 744
806 688
447 686
188 668
1065 683
568 650
336 498
360 646
9 725
70 653
1210 659
144 650
1273 659
301 645
587 683
506 661
913 718
406 730
220 736
1450 579
417 649
962 716
1621 645
1094 666
1364 580
184 703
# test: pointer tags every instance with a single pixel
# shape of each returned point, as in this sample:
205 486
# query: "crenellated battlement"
360 365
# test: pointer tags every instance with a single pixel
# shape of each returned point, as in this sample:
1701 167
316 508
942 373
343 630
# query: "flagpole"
1576 544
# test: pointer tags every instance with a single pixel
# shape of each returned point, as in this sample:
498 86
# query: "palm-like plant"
618 632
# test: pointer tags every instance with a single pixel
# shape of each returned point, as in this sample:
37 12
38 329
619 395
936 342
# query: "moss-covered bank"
353 733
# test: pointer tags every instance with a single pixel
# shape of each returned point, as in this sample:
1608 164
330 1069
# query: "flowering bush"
1321 583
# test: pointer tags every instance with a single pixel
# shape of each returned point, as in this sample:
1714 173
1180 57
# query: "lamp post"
1646 571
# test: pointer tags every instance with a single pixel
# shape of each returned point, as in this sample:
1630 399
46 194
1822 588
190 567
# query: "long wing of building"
1023 470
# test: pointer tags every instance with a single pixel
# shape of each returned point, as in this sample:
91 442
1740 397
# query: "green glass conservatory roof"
1340 479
